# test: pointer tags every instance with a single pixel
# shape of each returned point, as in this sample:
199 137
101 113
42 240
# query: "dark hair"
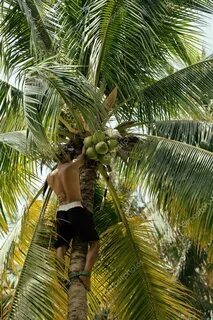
66 150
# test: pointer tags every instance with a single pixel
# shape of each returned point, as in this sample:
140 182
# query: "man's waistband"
67 206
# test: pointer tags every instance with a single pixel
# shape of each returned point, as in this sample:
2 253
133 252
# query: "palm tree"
80 66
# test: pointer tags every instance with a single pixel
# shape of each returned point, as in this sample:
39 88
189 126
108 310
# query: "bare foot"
86 282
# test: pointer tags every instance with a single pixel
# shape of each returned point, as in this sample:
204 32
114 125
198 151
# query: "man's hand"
81 158
83 150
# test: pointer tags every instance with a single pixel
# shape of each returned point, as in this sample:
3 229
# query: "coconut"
88 142
105 159
91 153
98 136
112 144
101 147
113 133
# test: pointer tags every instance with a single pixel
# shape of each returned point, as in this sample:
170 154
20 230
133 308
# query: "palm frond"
106 39
70 16
189 264
40 102
12 256
8 247
15 36
191 275
37 291
178 177
139 285
105 215
17 140
203 5
66 82
11 107
109 21
191 132
27 29
116 42
125 231
178 95
39 32
21 173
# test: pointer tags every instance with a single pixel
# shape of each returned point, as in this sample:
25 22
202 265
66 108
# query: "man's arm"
81 158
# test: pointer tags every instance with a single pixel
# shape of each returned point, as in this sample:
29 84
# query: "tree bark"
77 300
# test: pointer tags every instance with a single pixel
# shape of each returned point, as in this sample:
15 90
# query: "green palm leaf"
74 89
11 107
189 276
17 140
154 294
179 94
50 87
15 36
17 174
36 24
35 293
191 132
178 176
137 270
27 28
106 38
47 88
105 215
120 38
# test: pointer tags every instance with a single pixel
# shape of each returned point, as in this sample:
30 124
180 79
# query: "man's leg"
91 257
60 253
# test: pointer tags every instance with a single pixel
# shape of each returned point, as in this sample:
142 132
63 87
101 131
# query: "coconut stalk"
77 296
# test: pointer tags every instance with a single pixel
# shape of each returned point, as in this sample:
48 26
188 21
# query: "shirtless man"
73 219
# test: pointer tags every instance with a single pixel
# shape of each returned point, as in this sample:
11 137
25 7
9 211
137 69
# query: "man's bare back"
65 180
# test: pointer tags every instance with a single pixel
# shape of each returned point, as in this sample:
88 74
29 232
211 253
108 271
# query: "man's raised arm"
81 158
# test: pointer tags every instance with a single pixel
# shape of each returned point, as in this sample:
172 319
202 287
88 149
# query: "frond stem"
43 209
125 222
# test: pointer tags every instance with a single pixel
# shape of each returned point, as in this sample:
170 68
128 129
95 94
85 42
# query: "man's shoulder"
52 174
67 166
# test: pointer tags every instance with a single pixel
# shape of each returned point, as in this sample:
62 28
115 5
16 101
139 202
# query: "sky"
208 34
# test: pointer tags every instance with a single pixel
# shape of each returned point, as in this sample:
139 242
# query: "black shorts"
75 222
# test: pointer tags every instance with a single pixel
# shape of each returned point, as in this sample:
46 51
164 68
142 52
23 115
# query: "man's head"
66 153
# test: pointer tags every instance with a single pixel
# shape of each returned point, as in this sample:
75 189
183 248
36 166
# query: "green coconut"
112 144
91 153
88 142
101 147
112 133
105 159
98 136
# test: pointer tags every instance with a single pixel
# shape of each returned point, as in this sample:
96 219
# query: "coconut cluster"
100 147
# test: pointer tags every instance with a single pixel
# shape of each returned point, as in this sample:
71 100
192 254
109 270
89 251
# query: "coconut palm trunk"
77 304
